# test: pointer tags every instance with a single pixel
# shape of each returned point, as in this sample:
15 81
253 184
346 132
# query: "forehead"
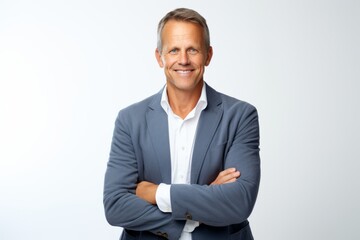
182 31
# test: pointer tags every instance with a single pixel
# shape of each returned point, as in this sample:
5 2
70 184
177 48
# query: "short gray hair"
185 15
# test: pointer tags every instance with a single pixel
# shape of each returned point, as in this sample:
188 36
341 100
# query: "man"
184 163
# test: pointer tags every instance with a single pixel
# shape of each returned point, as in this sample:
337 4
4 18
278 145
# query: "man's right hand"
227 176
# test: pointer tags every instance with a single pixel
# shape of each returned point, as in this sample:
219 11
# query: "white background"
68 67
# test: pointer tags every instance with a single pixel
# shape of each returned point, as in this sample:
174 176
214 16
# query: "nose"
184 58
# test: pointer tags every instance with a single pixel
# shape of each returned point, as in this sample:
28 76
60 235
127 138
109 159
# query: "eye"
192 51
174 51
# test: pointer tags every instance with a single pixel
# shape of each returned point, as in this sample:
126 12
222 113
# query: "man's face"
184 55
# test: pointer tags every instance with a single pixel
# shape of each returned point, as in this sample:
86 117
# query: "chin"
187 86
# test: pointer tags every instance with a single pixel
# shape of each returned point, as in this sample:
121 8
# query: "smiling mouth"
184 71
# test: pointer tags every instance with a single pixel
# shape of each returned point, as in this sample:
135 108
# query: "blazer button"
165 235
188 216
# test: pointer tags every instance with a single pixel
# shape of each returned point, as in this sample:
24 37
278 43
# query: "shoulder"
228 103
137 111
237 115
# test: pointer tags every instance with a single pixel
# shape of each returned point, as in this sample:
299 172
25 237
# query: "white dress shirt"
182 134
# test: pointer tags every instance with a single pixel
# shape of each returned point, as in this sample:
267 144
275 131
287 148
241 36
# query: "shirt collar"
201 104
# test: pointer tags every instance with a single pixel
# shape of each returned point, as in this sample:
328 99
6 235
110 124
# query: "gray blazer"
227 136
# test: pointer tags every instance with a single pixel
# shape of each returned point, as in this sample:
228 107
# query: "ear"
158 58
209 56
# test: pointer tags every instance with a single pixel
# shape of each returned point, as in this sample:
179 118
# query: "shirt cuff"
190 226
162 197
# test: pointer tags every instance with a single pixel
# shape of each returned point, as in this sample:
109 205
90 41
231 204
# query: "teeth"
183 71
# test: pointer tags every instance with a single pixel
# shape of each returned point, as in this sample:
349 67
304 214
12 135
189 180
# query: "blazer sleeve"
122 207
231 203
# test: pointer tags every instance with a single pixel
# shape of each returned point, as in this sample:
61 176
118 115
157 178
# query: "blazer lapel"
157 122
208 122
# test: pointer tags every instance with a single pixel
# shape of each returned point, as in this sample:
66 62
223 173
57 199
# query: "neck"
183 102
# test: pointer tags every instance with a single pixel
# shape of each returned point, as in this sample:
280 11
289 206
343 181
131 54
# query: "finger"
229 170
226 172
231 175
234 178
230 180
226 175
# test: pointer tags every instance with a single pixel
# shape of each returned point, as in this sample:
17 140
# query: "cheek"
168 63
201 62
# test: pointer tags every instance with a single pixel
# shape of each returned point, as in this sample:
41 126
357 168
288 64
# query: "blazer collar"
208 123
157 122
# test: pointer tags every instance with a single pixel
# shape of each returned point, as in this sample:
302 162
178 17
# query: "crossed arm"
127 205
147 190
